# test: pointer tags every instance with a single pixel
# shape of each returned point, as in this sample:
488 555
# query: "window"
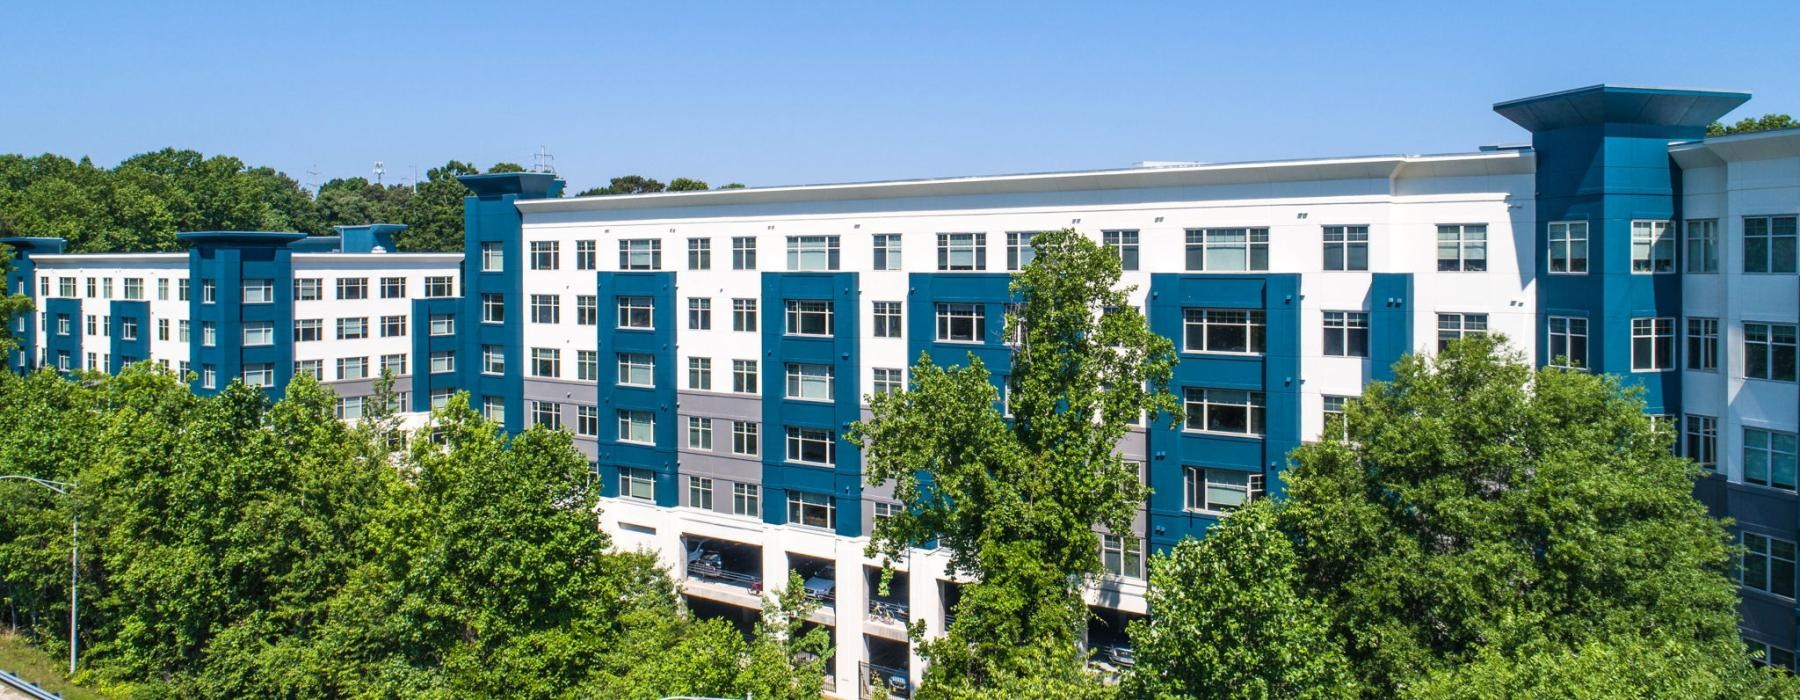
545 255
393 326
811 253
349 407
587 310
1569 247
308 289
699 314
443 324
637 426
182 330
1219 490
884 510
587 419
128 329
1223 330
209 292
1703 246
1701 440
812 510
963 251
162 329
1769 458
889 380
258 333
1334 411
209 375
350 328
1652 344
1019 252
1346 248
394 364
700 492
353 288
700 373
546 308
93 325
585 258
1347 334
1769 351
547 414
393 287
93 287
809 317
1228 249
746 499
1462 247
743 315
1771 655
811 445
1703 344
493 307
961 323
62 325
637 483
66 287
699 253
640 254
493 256
1769 244
887 251
1568 341
439 287
699 433
209 334
546 362
134 288
744 438
887 319
1769 564
636 312
809 382
493 359
1123 244
493 408
743 253
1652 247
637 369
743 376
162 288
353 368
443 361
1122 556
1455 326
109 287
1232 411
312 368
587 365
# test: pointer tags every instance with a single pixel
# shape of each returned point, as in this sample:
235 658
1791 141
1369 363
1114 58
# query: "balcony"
887 615
723 571
886 673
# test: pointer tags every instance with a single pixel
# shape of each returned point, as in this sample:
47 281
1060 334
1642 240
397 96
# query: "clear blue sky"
780 93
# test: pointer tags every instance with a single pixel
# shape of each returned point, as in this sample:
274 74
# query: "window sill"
814 465
635 442
1568 274
1219 353
1215 433
961 342
1768 380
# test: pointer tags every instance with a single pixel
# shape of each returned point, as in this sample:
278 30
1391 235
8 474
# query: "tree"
12 305
1747 125
1015 502
626 184
434 215
505 167
682 184
732 186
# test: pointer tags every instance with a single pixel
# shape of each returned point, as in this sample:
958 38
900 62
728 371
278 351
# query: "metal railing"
732 578
876 677
890 612
30 689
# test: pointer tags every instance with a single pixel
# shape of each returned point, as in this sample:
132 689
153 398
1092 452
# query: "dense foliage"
234 548
1483 530
1767 122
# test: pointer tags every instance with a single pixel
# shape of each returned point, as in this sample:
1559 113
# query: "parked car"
702 561
822 584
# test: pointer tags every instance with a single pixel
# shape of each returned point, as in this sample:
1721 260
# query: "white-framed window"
1769 564
743 376
352 368
746 499
699 433
700 492
700 373
1219 490
637 483
587 310
312 368
1333 410
546 362
1462 247
546 308
699 314
255 291
1702 246
209 375
812 510
1769 351
637 312
1769 244
1700 440
258 333
1569 247
1568 341
493 307
745 438
493 359
1346 248
394 364
183 330
962 251
347 328
62 326
637 426
1454 326
586 257
493 408
443 361
743 315
1347 333
889 380
443 324
351 288
1769 457
811 446
810 382
1234 331
884 510
393 287
66 287
547 414
209 292
810 317
1228 249
260 375
493 256
440 286
128 329
887 319
637 369
393 326
1652 344
162 329
1124 246
587 365
1019 252
743 252
809 253
1652 247
640 254
1230 411
546 255
960 322
349 407
587 420
1122 556
887 251
699 252
1703 344
162 288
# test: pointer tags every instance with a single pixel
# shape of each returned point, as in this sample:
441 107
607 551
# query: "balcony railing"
751 582
893 680
893 613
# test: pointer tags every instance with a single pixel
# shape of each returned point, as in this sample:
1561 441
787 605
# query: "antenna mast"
542 161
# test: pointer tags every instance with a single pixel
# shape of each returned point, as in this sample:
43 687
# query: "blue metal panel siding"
490 216
22 279
992 291
842 351
659 343
424 343
1276 373
1390 322
55 343
125 352
227 266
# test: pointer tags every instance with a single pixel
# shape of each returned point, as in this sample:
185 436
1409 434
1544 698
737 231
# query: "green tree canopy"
1747 125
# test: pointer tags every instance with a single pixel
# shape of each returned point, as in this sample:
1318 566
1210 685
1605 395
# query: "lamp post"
74 557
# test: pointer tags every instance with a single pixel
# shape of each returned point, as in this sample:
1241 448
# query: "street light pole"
74 559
